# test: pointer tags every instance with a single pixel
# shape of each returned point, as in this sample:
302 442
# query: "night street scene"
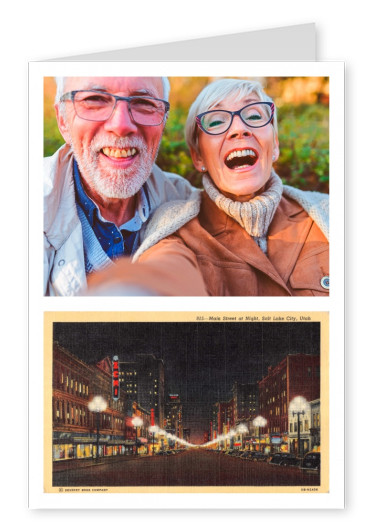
186 404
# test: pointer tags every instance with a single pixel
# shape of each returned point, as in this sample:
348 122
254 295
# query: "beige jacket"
64 265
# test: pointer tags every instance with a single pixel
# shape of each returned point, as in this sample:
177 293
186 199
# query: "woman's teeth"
119 153
241 158
241 153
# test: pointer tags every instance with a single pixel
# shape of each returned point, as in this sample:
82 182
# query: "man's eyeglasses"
253 115
98 106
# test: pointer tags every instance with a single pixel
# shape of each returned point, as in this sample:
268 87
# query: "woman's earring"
203 168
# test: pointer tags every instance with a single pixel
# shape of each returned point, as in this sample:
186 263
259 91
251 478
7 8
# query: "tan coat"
231 263
213 255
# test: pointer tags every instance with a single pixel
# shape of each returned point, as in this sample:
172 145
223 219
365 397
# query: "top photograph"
186 186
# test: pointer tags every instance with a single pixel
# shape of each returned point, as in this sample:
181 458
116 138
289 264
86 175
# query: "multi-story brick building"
245 402
174 415
296 375
143 380
223 419
75 383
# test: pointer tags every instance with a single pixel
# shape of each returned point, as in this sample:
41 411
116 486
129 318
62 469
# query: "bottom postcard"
186 402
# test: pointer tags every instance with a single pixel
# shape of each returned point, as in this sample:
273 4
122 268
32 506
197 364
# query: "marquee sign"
115 378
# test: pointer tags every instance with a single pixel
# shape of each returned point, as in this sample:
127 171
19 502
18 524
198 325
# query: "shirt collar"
87 205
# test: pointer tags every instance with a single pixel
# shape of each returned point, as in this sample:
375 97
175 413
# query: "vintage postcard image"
211 402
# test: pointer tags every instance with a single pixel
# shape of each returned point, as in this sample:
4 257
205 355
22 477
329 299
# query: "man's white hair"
60 85
213 94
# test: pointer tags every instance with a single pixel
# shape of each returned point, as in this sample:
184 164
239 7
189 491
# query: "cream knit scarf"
255 215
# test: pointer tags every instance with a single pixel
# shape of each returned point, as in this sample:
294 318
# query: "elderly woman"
247 234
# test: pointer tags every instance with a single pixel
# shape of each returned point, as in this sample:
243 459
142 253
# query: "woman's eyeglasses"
219 121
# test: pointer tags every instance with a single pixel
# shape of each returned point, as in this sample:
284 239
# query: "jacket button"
325 282
117 239
61 262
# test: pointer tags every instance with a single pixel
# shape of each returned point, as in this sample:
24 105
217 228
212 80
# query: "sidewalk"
59 466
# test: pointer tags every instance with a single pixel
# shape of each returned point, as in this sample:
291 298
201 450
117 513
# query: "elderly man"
102 186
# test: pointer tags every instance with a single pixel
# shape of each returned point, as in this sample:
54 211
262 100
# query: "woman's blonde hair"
216 92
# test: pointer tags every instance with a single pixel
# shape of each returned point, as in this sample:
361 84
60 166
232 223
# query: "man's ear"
62 125
197 160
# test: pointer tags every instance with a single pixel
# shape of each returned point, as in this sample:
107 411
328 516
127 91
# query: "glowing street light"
153 430
259 422
97 405
137 422
298 406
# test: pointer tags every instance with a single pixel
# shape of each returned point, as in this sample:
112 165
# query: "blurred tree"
303 118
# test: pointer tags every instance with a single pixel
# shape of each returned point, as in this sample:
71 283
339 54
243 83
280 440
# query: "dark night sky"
202 360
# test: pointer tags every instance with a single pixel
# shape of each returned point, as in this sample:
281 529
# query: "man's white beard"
115 183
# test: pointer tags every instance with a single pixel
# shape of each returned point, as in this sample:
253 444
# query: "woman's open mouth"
241 158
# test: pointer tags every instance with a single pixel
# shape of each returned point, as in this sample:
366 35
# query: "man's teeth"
241 153
119 153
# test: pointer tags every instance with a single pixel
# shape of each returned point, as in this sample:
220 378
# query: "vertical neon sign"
115 378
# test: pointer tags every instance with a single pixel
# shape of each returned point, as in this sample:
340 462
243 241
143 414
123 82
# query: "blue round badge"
325 282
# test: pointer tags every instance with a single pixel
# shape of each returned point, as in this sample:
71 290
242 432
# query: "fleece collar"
170 217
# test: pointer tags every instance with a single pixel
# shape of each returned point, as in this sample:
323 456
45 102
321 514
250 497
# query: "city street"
195 467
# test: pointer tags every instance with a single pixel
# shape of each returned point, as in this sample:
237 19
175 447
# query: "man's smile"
116 153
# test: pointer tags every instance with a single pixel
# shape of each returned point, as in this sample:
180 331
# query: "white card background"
332 304
39 30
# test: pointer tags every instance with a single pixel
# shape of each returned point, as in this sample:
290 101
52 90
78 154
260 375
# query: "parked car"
276 459
259 456
311 461
290 460
165 452
244 454
250 454
238 453
230 452
235 452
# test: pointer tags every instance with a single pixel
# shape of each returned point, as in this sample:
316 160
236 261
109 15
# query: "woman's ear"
197 160
62 124
275 148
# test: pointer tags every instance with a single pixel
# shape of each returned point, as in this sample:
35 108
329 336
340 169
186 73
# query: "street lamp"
259 422
137 422
162 434
242 429
97 405
231 435
171 438
298 406
153 430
